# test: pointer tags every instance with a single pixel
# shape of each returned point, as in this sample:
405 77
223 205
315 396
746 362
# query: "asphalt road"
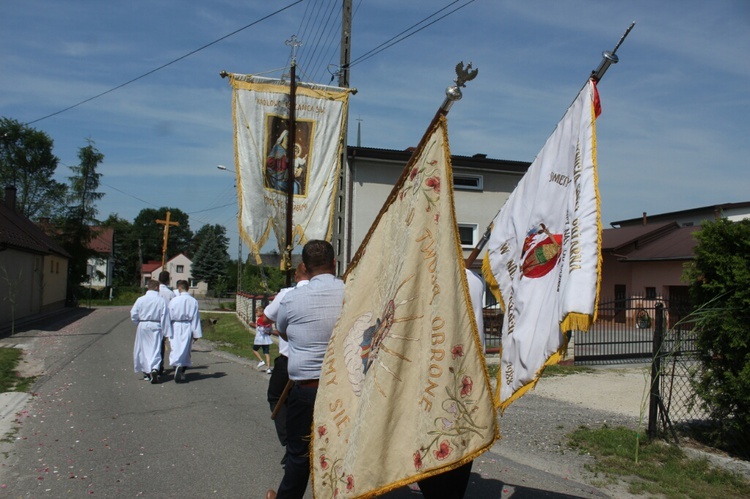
95 428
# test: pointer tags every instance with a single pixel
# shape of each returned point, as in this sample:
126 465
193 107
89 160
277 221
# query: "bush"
720 282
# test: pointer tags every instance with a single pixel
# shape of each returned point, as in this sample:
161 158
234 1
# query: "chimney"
645 219
10 197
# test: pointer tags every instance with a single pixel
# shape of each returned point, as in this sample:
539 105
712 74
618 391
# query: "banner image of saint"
276 168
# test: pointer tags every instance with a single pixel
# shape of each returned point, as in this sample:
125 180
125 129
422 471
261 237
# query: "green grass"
9 380
555 370
230 335
654 468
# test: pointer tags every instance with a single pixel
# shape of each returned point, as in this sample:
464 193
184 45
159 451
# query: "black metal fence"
624 331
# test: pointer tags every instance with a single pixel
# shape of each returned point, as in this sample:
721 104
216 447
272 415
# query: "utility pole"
341 213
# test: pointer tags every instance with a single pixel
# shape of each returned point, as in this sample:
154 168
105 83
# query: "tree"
210 261
127 271
80 216
720 281
27 162
218 232
151 234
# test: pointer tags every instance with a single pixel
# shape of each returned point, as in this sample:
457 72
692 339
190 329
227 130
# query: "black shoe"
154 377
146 377
179 374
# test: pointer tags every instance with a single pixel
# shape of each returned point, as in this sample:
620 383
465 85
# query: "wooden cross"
166 224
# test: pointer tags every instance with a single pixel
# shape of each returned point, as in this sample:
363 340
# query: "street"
95 428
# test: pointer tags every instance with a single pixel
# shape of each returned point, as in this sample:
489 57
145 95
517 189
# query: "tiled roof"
103 240
17 231
663 241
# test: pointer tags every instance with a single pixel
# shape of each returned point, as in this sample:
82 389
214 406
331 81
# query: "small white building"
101 267
179 268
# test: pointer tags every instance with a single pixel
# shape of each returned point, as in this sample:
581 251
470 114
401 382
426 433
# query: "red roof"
19 232
150 266
103 241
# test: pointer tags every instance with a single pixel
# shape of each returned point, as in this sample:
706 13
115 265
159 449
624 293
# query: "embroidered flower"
349 482
453 408
323 462
444 451
447 423
466 386
322 430
434 183
413 173
437 217
417 460
457 351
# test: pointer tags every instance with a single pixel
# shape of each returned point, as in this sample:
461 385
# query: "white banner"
543 256
261 123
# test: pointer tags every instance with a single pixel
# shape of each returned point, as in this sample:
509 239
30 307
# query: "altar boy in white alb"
186 326
151 316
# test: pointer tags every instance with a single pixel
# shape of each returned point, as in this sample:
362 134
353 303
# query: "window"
467 233
193 283
180 269
650 293
466 182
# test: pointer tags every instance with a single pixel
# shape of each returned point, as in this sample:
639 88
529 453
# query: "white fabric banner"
543 255
261 123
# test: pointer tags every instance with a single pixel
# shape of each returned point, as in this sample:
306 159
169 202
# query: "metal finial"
453 93
609 58
293 43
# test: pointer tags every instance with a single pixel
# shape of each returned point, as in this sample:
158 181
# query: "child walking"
263 330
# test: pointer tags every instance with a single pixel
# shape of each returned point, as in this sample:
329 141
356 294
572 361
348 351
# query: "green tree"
127 271
720 280
151 234
27 162
210 261
218 232
80 216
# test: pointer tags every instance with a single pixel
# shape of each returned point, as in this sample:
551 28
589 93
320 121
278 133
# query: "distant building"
179 268
643 259
33 267
101 267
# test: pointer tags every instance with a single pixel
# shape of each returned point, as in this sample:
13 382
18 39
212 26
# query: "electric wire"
193 52
390 43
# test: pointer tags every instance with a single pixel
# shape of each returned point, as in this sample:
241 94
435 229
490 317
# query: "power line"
387 44
164 65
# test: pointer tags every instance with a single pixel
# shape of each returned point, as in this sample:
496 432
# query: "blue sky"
673 135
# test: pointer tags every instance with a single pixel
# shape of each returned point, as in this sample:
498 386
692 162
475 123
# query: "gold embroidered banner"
261 122
543 256
404 392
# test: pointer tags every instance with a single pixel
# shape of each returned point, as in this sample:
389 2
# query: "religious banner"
404 393
543 254
261 124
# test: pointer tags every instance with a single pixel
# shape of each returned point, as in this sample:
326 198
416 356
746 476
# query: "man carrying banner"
306 318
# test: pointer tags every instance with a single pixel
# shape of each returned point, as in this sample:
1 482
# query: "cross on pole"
294 43
166 224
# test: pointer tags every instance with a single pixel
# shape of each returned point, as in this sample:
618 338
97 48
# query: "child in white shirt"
263 330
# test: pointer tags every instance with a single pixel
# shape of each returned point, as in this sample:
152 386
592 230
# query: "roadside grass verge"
549 371
654 468
230 335
9 380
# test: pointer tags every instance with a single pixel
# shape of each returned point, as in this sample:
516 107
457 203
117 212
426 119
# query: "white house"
179 268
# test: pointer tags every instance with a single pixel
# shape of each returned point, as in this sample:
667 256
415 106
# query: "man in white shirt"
186 326
279 375
152 318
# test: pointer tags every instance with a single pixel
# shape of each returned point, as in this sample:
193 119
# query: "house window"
180 269
466 182
193 283
467 233
57 267
650 293
51 267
